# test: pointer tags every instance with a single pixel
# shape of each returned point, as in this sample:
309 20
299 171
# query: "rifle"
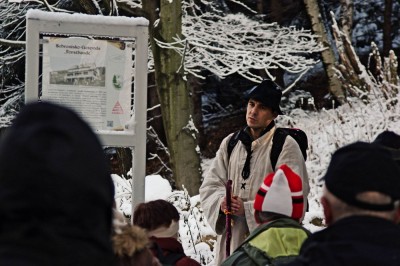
228 213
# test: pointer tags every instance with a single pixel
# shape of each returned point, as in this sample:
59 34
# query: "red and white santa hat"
282 193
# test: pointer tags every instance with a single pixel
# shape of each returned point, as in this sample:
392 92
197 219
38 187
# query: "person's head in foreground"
56 193
362 179
280 195
361 207
159 217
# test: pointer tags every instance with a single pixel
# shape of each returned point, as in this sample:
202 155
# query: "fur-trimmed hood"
129 239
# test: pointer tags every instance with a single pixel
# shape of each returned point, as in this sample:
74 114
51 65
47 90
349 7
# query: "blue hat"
268 93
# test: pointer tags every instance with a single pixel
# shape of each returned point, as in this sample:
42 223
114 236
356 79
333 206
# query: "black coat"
352 241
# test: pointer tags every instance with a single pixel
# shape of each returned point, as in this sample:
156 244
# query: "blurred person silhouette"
131 247
361 208
56 193
160 218
278 206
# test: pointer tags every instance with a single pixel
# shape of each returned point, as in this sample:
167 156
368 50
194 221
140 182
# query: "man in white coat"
247 165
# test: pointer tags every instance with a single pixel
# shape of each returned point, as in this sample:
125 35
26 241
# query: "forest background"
204 55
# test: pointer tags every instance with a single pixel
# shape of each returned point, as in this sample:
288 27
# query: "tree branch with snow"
233 43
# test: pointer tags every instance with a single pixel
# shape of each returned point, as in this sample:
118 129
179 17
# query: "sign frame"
120 28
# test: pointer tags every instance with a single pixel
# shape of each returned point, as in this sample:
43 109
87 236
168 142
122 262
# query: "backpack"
169 259
277 142
247 255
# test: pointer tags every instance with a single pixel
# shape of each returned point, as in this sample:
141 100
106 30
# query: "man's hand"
237 206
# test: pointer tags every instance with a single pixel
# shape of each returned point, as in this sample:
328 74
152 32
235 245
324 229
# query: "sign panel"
91 63
91 76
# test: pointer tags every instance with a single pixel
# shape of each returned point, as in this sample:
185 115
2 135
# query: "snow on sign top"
85 18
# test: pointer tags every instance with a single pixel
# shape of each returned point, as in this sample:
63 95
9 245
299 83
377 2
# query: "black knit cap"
362 167
56 191
390 141
268 93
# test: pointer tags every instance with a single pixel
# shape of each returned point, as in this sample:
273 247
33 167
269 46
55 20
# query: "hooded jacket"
212 189
56 193
271 243
131 247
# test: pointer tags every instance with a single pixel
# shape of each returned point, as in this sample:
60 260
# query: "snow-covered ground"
327 130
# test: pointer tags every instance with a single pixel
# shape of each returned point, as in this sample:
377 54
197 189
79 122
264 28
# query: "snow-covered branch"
12 43
233 43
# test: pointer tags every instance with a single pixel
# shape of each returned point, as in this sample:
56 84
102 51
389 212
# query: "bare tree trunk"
175 98
276 7
260 6
346 17
352 73
387 27
390 69
328 56
87 6
385 74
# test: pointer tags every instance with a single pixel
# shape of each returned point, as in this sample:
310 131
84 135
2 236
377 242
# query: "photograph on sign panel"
87 74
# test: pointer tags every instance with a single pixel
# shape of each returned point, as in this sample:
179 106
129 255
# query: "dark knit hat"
362 167
268 93
390 141
56 191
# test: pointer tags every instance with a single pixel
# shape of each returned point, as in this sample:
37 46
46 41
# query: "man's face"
258 116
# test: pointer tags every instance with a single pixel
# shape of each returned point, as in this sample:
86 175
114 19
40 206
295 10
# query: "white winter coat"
212 189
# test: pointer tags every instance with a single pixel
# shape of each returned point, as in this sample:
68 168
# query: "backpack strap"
168 259
277 144
240 135
232 143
